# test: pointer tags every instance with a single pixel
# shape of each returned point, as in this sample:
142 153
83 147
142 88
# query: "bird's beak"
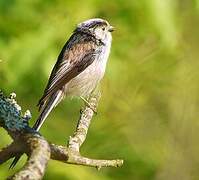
111 29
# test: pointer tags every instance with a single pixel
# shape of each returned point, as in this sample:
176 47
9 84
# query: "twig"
63 154
80 134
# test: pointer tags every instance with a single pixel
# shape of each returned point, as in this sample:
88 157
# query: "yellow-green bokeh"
149 110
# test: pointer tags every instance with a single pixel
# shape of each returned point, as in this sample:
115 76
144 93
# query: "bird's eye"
103 28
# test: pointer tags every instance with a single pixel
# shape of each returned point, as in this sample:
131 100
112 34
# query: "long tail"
51 103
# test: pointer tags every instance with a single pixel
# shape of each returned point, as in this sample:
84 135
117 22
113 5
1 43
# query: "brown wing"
71 62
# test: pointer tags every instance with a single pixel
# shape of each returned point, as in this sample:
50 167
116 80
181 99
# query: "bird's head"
97 27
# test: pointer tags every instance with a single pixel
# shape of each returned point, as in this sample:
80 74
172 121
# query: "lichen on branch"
11 117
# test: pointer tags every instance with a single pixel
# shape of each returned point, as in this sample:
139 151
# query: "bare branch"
86 115
63 154
38 150
98 163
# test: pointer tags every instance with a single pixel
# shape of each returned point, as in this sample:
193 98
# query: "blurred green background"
149 110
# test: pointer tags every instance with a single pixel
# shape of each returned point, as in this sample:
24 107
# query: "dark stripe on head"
96 23
92 23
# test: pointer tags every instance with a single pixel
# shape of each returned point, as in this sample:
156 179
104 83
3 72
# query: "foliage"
150 99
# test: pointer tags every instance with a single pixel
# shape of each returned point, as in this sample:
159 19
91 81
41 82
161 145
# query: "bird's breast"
86 81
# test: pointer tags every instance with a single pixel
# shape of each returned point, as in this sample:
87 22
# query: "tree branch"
38 149
86 115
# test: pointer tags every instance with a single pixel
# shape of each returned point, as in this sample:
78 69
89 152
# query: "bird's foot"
94 109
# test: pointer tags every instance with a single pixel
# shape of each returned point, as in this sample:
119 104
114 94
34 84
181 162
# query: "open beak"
111 29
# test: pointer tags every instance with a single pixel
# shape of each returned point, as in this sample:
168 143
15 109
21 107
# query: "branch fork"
38 149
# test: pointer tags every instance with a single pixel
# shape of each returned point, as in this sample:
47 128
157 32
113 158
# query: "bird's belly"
86 81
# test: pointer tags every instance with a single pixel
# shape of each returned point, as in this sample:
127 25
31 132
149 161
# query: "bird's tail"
14 162
51 103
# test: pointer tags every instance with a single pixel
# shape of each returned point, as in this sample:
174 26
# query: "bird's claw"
94 109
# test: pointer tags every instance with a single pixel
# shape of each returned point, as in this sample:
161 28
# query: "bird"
79 68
